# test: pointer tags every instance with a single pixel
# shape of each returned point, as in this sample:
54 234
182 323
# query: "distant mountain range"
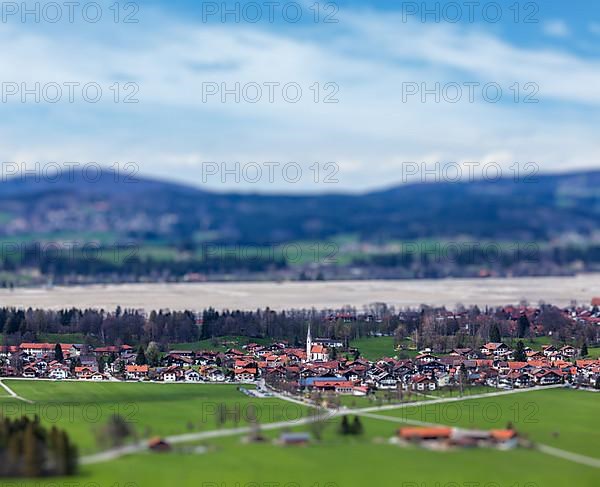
149 211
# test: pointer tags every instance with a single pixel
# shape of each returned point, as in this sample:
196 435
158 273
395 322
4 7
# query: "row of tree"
427 327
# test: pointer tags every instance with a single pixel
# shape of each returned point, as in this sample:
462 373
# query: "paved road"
13 393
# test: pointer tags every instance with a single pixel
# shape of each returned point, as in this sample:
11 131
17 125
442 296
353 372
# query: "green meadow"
562 418
152 409
338 462
343 464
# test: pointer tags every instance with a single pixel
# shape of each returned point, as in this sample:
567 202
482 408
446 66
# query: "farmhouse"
136 372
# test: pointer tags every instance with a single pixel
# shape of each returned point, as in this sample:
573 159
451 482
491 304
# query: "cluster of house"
310 369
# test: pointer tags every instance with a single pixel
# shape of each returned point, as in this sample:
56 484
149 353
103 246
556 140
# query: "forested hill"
150 210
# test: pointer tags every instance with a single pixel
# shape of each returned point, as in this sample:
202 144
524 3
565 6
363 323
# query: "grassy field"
341 461
593 352
561 418
344 464
219 344
82 408
378 399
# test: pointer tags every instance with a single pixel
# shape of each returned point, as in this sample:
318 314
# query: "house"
37 349
419 434
58 372
517 379
294 438
7 351
318 353
568 351
136 372
329 342
336 384
549 377
30 372
214 374
179 360
423 383
534 355
191 375
171 374
158 445
245 374
464 352
426 357
455 437
84 372
360 391
494 348
386 381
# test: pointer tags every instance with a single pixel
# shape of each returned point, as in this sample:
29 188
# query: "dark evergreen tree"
357 427
523 326
58 353
140 358
344 426
495 336
520 355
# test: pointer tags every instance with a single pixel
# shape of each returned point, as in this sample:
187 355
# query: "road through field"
115 453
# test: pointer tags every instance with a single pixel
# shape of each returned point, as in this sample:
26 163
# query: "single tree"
58 353
140 359
520 355
523 326
357 427
153 354
495 333
344 426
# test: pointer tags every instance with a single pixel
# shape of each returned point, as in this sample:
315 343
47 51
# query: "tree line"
424 327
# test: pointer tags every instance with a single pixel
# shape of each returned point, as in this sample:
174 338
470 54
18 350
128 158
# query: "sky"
302 96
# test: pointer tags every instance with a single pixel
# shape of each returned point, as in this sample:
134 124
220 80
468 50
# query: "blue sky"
366 62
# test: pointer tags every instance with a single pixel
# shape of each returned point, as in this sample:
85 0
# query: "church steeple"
308 344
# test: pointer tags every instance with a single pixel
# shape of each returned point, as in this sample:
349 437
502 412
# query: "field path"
141 446
567 455
483 395
14 394
115 453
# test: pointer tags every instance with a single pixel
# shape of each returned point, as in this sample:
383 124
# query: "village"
320 367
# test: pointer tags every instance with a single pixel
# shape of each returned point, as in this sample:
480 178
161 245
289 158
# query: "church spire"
308 344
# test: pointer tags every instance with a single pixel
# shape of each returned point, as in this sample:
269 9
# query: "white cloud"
370 132
556 28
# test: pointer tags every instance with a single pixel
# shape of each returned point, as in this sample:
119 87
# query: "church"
315 352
